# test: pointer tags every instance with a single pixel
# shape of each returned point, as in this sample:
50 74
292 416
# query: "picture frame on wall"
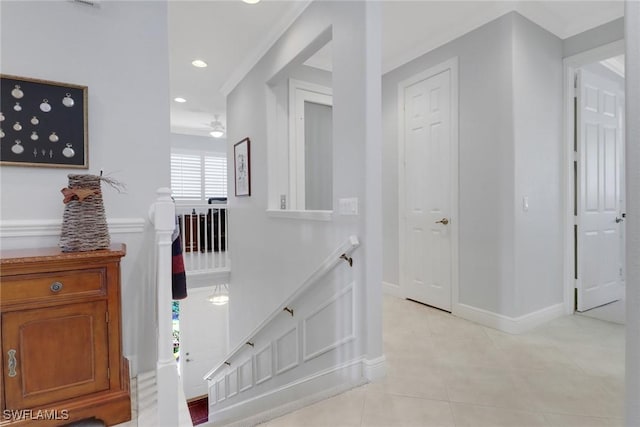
43 123
242 167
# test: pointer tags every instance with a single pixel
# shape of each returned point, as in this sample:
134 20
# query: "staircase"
309 348
147 403
305 351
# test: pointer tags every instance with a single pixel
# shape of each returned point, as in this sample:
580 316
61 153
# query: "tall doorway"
598 191
429 185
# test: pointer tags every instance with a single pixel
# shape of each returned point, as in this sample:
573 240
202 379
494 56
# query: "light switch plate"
348 206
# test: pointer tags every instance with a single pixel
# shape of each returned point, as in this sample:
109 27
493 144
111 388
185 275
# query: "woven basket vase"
84 223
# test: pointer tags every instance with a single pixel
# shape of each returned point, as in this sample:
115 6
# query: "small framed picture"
242 166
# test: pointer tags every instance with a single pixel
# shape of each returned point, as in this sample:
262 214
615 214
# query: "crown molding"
269 40
436 42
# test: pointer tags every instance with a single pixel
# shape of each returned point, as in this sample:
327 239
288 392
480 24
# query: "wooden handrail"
327 265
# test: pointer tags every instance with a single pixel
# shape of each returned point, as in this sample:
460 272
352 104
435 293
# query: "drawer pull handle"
12 363
56 287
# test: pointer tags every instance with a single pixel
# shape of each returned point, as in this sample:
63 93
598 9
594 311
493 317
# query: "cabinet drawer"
53 285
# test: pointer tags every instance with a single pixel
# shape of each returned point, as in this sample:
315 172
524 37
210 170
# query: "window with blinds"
197 176
215 176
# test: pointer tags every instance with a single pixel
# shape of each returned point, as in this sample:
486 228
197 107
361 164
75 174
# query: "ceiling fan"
217 128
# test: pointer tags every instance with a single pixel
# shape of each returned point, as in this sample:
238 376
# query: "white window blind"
215 176
197 176
186 176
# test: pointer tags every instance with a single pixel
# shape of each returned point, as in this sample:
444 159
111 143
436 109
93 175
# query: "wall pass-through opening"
301 146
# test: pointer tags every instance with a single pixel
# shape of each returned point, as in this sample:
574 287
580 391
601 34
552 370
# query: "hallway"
445 371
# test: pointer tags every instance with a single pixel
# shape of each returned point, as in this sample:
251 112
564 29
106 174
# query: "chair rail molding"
53 227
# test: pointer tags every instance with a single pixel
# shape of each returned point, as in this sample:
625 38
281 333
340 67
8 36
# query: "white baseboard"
133 365
375 369
293 396
511 325
53 227
391 289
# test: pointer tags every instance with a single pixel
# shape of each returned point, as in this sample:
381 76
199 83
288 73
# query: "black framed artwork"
43 123
242 167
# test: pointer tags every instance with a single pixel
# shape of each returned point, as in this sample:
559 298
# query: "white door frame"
452 65
571 65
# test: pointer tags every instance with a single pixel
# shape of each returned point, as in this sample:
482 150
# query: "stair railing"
204 234
341 254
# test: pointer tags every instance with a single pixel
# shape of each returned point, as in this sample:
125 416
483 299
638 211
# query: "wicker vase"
84 224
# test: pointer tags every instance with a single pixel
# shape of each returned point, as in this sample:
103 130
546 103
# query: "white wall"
602 71
510 130
539 148
486 192
199 143
273 256
120 52
203 337
598 36
632 377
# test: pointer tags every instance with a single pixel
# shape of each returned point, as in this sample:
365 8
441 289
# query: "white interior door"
599 183
427 209
203 339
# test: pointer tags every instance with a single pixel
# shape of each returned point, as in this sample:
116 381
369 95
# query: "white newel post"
167 371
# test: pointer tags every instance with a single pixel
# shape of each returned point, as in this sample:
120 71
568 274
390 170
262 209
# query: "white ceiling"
224 34
231 35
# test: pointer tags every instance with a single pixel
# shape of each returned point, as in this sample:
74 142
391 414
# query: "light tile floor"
445 371
612 312
143 417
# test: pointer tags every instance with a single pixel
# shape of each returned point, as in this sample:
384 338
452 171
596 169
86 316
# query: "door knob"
619 220
443 221
189 360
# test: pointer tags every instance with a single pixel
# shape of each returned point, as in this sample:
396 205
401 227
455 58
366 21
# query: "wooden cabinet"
61 338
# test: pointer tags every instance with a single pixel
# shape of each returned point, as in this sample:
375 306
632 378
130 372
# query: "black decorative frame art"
242 166
43 123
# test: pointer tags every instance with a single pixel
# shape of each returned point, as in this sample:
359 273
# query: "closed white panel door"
203 339
427 183
599 220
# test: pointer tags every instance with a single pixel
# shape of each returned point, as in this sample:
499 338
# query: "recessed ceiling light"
198 63
180 100
251 1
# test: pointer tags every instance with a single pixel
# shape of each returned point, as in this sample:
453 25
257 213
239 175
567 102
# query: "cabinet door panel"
60 353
